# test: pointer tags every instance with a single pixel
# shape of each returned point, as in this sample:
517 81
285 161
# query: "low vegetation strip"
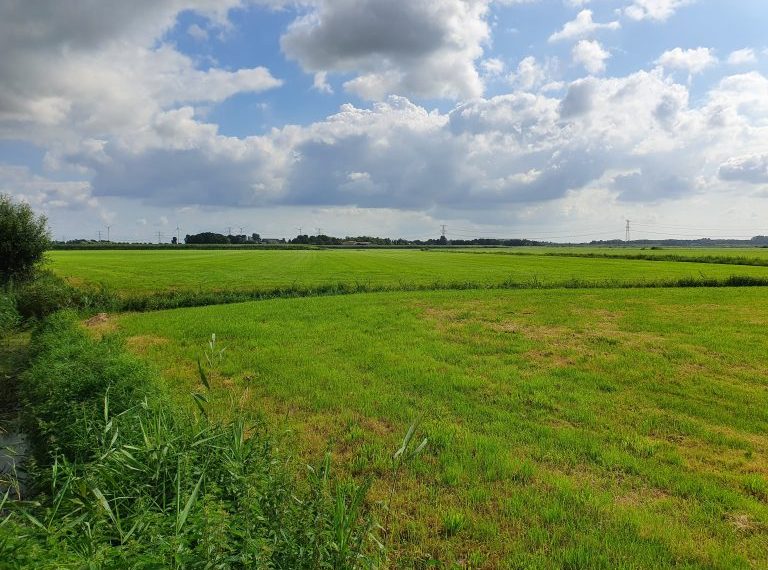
49 293
174 299
123 480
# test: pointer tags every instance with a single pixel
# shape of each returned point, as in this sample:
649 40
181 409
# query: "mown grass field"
602 428
135 273
658 251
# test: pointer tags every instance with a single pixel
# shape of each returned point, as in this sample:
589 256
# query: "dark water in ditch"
14 447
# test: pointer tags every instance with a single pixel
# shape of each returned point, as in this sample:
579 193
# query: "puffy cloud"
320 83
516 148
531 74
582 26
423 48
492 66
591 55
121 116
751 168
659 10
99 69
691 60
43 193
742 57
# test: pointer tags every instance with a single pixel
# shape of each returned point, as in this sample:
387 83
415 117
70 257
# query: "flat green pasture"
143 272
567 428
693 252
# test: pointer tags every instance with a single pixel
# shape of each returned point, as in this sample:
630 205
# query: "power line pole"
627 236
319 231
159 237
229 230
299 228
108 227
99 235
442 232
178 235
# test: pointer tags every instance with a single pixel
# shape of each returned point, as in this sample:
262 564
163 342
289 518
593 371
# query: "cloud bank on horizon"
536 117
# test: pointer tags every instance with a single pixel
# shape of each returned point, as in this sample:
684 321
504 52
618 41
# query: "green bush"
23 239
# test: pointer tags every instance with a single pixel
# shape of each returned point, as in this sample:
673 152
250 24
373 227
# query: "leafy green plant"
24 237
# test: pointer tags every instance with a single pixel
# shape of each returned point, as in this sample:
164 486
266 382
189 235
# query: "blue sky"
540 118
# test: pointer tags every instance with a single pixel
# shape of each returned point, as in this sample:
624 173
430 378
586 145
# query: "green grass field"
567 428
745 252
144 272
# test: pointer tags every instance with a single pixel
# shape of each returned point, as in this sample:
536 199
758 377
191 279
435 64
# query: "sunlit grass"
566 428
136 273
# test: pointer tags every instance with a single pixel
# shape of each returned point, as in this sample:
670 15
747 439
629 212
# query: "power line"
627 237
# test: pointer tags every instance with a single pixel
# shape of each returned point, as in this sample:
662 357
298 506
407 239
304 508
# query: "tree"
24 237
207 237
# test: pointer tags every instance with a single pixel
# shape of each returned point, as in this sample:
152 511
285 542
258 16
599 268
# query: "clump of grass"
453 523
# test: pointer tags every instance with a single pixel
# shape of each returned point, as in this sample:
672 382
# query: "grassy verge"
122 479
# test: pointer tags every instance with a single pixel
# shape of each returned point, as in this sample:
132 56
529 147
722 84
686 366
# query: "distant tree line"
214 238
323 239
701 242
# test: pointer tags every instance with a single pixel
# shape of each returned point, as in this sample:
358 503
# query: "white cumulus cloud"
591 55
659 10
582 26
693 60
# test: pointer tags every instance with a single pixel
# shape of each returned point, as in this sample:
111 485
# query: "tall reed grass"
122 480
